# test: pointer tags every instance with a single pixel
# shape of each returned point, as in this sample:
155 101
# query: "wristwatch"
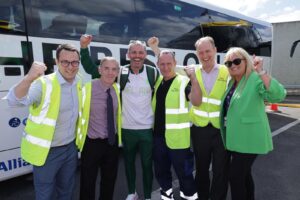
262 72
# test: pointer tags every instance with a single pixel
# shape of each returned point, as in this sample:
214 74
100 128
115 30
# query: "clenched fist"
37 69
85 40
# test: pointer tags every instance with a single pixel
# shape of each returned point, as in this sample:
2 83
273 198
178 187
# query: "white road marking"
156 193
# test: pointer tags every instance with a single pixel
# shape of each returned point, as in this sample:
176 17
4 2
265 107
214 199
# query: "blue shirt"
68 112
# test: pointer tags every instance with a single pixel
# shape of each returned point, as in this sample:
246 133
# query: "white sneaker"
132 197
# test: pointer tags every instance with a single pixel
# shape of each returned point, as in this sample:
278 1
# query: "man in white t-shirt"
137 114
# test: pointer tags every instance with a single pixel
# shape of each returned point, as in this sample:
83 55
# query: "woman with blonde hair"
244 124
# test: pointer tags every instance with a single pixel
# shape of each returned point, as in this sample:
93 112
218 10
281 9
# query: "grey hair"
137 42
166 51
108 58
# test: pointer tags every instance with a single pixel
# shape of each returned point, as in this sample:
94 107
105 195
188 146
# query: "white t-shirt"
136 102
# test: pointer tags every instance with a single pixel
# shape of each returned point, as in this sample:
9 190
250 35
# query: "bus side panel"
12 121
12 165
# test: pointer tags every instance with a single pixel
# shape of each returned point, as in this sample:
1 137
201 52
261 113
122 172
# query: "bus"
32 30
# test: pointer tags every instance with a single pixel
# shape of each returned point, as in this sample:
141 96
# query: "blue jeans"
56 178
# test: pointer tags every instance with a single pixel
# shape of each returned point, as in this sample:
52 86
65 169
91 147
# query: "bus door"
15 58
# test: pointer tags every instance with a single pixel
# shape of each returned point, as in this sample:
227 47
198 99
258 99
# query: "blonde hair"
244 55
249 63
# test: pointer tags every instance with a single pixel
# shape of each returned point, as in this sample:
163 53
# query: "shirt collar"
140 71
103 87
215 67
61 79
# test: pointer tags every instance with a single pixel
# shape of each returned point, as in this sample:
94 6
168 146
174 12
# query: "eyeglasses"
236 61
65 63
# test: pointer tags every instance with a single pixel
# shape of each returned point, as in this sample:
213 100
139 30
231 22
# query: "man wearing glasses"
137 114
48 141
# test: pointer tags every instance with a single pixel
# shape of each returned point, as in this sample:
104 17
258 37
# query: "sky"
266 10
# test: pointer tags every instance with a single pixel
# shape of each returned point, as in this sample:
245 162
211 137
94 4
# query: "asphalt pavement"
276 175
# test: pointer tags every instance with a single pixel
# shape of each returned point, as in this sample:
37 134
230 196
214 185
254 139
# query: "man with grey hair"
101 132
136 83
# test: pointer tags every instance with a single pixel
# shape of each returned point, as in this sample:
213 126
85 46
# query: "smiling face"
137 55
167 64
236 70
109 70
206 53
68 64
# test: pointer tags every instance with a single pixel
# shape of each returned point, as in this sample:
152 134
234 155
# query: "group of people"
218 110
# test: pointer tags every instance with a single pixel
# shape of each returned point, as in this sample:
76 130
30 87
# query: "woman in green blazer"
244 124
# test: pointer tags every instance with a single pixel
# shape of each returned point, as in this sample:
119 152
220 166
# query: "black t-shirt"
160 108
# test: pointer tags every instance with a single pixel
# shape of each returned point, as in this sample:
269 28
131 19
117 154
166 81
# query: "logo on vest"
222 79
175 90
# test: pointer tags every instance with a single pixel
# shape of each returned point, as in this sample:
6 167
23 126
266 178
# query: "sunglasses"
236 61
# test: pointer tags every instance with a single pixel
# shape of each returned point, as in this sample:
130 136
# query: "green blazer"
247 127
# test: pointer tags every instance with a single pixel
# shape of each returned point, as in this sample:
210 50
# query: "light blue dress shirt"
68 111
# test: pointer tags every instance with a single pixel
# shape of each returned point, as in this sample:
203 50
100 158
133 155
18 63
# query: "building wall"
285 68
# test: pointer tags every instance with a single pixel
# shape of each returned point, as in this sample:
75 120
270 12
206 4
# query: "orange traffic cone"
274 107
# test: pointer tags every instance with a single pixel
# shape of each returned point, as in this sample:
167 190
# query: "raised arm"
195 95
37 69
258 67
153 44
86 61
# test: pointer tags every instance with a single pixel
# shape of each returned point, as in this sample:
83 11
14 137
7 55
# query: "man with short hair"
137 116
172 127
48 141
206 137
98 141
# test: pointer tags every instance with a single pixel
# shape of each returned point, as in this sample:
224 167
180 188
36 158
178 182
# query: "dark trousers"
182 162
208 148
98 153
240 177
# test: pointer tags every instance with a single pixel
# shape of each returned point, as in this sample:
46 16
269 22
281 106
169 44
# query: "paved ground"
276 175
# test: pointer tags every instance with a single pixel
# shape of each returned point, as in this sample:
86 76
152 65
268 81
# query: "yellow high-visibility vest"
86 102
177 114
209 110
41 122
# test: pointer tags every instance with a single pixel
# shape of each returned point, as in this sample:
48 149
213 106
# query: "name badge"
125 70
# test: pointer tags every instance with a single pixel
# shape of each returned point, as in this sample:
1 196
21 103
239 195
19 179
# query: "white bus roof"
226 11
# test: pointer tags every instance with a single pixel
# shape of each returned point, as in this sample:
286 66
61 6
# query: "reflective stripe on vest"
41 118
40 125
86 104
209 110
177 125
36 140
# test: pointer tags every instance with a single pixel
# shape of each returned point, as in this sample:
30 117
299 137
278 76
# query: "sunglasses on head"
137 42
236 61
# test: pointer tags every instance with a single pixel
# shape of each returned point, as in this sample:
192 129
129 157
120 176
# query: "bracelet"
262 72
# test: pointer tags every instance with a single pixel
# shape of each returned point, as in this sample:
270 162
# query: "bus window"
175 23
229 31
12 18
111 21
